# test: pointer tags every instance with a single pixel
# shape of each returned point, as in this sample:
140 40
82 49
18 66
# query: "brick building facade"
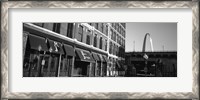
73 49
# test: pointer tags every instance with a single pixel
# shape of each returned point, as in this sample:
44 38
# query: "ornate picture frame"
6 5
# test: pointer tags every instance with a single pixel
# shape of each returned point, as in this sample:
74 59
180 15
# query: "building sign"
85 55
56 46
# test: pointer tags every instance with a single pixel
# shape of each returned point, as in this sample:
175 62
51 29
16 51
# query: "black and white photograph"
100 50
133 49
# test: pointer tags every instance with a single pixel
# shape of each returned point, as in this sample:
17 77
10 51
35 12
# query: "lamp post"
146 61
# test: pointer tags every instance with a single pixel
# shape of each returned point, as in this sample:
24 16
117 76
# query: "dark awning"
84 55
37 43
69 50
55 47
95 56
105 58
101 58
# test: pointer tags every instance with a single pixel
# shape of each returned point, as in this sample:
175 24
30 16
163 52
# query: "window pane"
70 30
80 33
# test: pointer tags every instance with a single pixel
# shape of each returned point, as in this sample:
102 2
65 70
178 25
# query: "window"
56 27
124 33
117 38
102 25
119 29
124 25
88 37
114 36
70 30
90 24
105 44
111 34
80 34
116 50
113 25
101 40
96 25
106 30
110 48
113 49
124 43
95 40
117 26
65 66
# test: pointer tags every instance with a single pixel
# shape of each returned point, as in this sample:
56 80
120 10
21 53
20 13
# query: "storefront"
110 69
55 57
103 60
120 69
47 54
83 62
97 64
105 65
34 56
46 57
67 62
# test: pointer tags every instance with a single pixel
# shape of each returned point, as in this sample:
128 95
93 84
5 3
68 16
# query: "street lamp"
145 68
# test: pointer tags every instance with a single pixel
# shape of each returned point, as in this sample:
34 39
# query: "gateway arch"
144 43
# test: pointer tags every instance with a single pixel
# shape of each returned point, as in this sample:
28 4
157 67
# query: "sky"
163 35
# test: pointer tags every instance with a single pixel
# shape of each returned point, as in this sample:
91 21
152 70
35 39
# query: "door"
54 60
